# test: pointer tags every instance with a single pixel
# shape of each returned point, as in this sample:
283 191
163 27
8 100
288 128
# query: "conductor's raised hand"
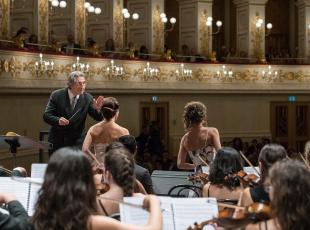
98 103
63 121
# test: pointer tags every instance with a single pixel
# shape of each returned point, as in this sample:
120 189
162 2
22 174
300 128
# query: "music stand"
20 142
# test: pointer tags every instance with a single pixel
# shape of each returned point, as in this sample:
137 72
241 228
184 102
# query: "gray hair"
73 76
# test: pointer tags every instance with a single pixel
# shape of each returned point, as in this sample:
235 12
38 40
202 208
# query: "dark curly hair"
68 195
195 112
270 154
119 162
110 108
290 181
226 163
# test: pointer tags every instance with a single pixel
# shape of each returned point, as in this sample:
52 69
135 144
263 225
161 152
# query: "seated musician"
223 184
142 174
200 142
105 132
119 174
17 218
289 190
67 199
269 154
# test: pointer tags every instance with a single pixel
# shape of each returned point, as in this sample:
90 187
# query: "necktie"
73 102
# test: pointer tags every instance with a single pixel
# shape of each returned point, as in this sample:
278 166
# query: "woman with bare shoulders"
200 142
288 186
102 134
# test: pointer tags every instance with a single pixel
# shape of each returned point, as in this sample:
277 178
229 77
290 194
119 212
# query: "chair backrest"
163 181
185 190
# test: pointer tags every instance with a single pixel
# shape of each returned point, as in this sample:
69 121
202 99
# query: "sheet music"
250 170
190 210
138 216
18 189
33 196
178 213
38 170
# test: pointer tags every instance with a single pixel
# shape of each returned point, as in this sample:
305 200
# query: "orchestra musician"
288 186
200 143
105 132
222 182
269 154
67 199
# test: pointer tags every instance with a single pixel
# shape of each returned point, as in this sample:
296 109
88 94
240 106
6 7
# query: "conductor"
66 112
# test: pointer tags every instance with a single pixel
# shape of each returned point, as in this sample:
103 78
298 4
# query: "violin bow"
200 158
27 180
304 160
31 180
247 160
5 170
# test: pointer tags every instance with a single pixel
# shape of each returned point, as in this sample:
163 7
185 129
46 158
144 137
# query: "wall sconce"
209 23
44 66
183 73
114 70
56 3
92 9
270 74
224 73
150 72
126 17
259 23
172 21
78 66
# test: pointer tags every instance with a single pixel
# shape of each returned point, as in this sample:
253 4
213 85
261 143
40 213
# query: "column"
303 28
79 22
251 37
227 19
193 31
43 25
5 19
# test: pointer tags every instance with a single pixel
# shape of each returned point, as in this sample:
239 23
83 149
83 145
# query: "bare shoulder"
213 131
102 222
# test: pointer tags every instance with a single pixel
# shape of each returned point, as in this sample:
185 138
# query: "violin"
231 219
102 188
202 178
247 180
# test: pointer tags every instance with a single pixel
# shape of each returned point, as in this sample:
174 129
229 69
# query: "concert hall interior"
195 91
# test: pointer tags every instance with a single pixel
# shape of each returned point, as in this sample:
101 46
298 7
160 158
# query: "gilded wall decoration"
257 40
5 17
118 26
158 30
11 66
204 32
43 21
80 22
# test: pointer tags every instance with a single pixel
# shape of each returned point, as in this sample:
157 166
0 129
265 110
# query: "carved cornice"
16 67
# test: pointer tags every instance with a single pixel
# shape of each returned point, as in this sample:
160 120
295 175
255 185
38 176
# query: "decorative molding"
15 67
118 25
158 28
43 21
5 16
80 22
204 32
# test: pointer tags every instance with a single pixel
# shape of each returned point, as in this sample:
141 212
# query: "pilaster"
193 29
250 38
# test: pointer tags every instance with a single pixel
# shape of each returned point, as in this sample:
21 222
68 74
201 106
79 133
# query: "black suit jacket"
143 175
18 218
59 106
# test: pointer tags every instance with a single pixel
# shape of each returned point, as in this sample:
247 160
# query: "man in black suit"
67 110
142 174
